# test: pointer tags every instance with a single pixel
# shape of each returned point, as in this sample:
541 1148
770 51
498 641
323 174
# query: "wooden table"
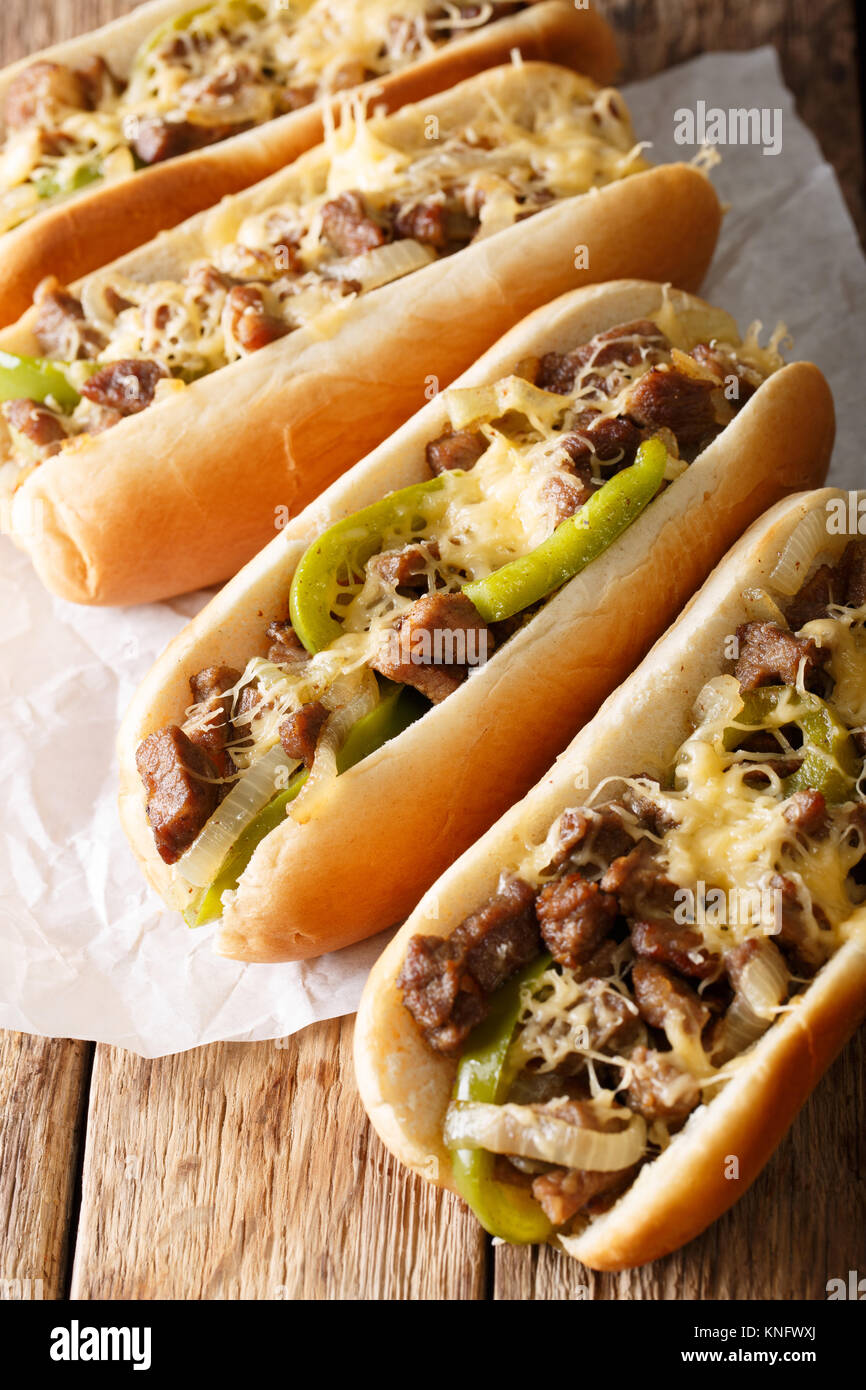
248 1171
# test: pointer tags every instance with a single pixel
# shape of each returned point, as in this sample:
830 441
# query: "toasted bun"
415 804
185 493
406 1088
102 223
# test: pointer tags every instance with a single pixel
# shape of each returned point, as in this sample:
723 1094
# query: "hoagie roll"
652 958
110 137
409 654
161 418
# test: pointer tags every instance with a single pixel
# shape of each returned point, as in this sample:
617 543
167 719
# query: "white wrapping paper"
86 950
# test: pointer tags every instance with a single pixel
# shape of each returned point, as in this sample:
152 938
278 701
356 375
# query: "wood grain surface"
248 1171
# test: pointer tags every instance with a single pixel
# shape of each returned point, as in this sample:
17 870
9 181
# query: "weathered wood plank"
248 1171
817 44
42 1093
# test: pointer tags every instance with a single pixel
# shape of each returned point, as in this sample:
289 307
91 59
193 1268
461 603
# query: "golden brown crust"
406 1088
131 515
307 889
102 223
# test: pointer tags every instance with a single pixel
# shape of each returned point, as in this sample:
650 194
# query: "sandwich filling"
380 205
624 970
394 607
202 76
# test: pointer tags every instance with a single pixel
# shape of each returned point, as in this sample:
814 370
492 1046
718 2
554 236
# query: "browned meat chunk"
454 449
807 812
658 1089
681 947
286 646
854 564
665 398
562 1192
639 885
575 916
60 328
661 996
425 222
213 726
158 138
97 81
41 93
563 496
796 936
406 568
251 325
738 957
434 644
127 386
607 437
36 422
180 798
294 98
445 981
747 379
652 817
347 228
602 831
814 598
628 343
771 656
299 732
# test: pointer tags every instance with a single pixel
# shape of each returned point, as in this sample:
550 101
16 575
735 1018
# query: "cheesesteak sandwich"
163 416
409 654
108 138
599 1023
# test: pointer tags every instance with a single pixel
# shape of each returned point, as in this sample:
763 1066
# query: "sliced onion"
468 404
202 861
383 264
350 699
764 980
762 607
537 1132
802 546
719 699
761 988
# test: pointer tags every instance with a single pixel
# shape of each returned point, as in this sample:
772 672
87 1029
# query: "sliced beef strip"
660 994
127 386
669 943
807 812
627 343
563 495
666 398
601 830
406 568
347 227
60 326
771 656
562 1192
209 688
97 81
299 732
747 379
454 449
651 815
659 1089
575 916
36 422
157 138
806 952
430 647
286 646
639 884
249 321
814 598
854 561
180 799
445 981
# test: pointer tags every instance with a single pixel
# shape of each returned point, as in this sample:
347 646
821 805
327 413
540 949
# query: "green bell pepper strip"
49 185
36 378
574 543
830 763
483 1074
397 709
330 567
